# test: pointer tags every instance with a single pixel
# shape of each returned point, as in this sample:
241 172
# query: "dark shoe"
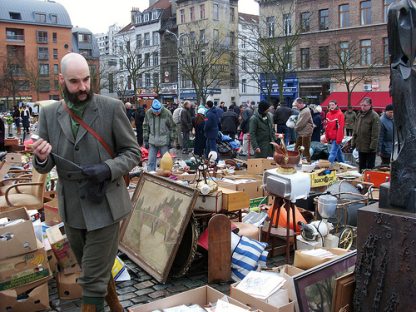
112 298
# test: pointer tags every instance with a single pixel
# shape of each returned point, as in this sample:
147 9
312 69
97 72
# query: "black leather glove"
97 173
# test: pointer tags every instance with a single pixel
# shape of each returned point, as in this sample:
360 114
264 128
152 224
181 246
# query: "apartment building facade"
36 34
329 32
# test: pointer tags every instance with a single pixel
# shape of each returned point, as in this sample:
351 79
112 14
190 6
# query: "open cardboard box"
258 165
259 304
36 299
201 296
305 261
23 270
19 238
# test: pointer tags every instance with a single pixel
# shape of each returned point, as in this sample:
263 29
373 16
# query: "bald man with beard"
92 194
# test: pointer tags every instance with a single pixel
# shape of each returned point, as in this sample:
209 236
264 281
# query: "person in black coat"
139 119
229 123
200 139
211 128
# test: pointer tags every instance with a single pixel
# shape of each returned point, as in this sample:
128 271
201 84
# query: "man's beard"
74 97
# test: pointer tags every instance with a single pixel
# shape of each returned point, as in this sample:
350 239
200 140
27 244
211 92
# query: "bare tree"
352 65
204 61
270 46
34 73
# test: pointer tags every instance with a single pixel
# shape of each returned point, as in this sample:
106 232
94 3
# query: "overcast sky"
98 15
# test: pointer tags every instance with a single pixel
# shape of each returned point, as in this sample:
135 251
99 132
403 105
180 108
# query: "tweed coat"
107 117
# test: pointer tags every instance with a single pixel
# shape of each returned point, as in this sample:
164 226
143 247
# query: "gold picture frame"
152 233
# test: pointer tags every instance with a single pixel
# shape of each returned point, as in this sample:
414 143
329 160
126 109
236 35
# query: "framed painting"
152 233
315 287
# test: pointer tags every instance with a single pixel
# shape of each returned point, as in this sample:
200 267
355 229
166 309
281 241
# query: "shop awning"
380 99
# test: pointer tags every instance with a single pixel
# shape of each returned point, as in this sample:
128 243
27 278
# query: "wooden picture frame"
344 292
152 233
315 287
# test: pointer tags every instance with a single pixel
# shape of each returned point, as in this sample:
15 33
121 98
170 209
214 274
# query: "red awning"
380 99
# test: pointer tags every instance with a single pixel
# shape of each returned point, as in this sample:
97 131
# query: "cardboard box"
209 203
258 165
305 261
67 285
53 262
250 186
318 178
24 269
52 216
19 238
259 304
234 200
201 296
62 250
36 299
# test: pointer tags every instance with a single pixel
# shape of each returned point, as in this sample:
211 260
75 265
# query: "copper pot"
283 157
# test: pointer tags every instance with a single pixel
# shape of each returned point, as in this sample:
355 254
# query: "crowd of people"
161 127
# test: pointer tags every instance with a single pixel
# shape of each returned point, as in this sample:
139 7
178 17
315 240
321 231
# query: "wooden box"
234 200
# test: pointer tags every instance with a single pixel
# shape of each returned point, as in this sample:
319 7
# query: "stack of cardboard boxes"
24 267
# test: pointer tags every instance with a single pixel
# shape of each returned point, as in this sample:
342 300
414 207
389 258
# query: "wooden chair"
25 194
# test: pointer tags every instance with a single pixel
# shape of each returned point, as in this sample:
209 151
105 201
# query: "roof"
249 18
27 9
161 4
379 99
126 28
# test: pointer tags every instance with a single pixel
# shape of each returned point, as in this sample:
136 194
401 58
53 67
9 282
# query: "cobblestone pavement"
142 288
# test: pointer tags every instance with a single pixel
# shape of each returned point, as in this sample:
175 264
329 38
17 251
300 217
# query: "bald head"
75 78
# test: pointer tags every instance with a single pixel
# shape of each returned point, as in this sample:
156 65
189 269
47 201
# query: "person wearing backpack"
334 132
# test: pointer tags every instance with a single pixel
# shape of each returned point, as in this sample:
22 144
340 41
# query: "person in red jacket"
334 132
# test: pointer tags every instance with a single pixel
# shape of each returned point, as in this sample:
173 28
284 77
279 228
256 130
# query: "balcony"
20 38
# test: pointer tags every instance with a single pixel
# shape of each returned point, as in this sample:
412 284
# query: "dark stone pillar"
386 262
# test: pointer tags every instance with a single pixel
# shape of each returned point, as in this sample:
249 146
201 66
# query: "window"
54 37
192 14
42 37
146 17
305 21
128 65
287 24
216 12
112 62
155 15
147 59
182 15
139 41
43 53
202 11
344 15
323 19
155 59
386 54
244 63
232 14
54 18
365 13
23 85
147 39
139 60
243 85
84 38
128 45
44 85
44 69
15 15
215 36
147 80
110 83
365 48
232 38
85 52
55 54
15 34
138 19
324 57
140 81
121 64
155 38
289 59
386 8
55 69
192 37
270 20
304 58
202 36
40 18
344 52
155 79
243 42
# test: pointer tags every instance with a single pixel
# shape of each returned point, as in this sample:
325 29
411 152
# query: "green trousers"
95 252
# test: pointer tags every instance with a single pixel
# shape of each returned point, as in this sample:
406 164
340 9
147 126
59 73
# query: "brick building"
35 36
330 32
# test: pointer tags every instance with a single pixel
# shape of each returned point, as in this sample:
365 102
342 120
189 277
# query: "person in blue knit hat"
159 132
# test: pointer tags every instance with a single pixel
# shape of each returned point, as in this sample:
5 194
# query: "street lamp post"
179 64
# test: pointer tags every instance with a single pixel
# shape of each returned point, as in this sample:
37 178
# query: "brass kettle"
283 157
